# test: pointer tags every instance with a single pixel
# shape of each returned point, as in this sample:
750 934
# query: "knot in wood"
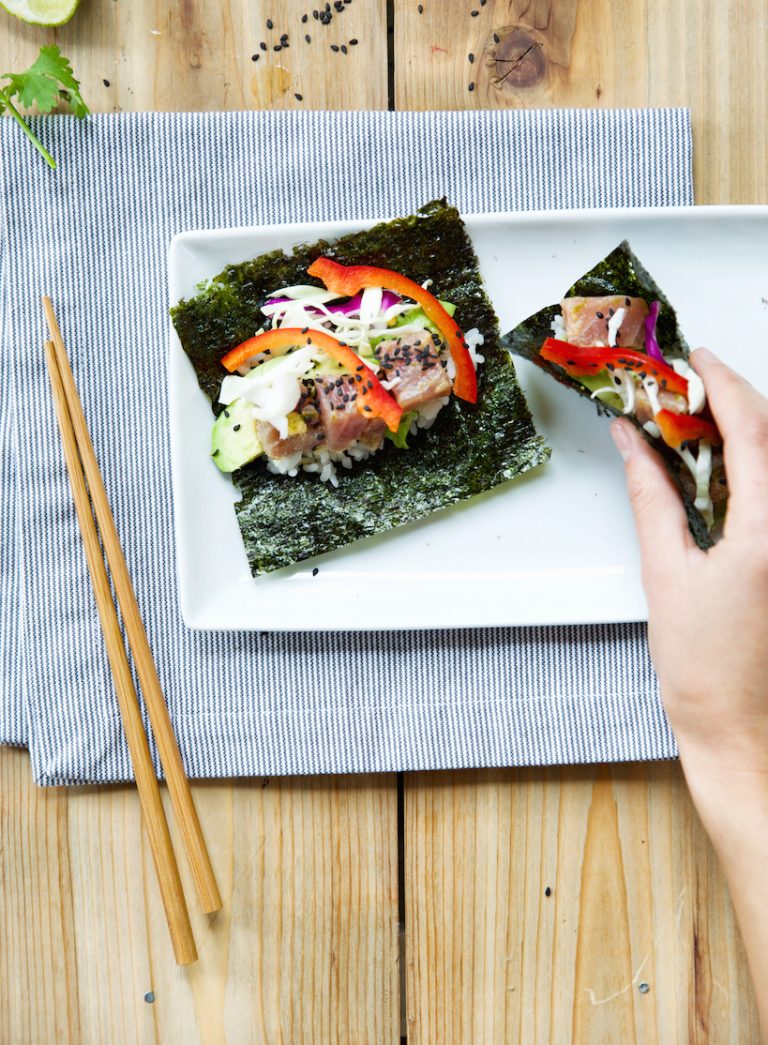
518 60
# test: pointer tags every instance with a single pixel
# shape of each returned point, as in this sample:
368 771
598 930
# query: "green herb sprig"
48 81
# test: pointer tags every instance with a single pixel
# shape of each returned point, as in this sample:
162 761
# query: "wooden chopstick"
178 784
146 781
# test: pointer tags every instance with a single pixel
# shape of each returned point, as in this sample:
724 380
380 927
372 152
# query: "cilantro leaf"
48 79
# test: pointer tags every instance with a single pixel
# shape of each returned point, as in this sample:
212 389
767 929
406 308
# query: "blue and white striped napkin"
95 234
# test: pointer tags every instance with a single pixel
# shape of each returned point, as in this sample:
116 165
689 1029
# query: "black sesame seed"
617 380
599 315
334 47
263 46
215 453
308 38
283 36
474 13
343 48
235 428
299 97
315 571
496 38
359 368
315 15
627 302
471 87
367 409
105 82
277 47
353 42
547 891
254 58
420 9
269 24
570 362
471 57
304 18
226 413
721 481
304 330
610 312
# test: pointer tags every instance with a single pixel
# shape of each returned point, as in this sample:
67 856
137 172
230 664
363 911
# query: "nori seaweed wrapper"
468 450
621 272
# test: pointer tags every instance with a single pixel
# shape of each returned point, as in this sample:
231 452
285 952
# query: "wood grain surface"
306 948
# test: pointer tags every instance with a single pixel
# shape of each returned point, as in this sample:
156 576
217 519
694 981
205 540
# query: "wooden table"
512 905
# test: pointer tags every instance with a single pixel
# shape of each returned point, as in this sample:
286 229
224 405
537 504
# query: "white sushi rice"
558 327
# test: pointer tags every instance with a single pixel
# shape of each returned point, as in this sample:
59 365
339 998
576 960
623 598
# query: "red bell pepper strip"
373 400
579 361
350 279
677 429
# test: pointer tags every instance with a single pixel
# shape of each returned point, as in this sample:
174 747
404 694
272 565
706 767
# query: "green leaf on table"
47 80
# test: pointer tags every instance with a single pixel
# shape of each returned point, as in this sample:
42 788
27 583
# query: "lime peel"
41 12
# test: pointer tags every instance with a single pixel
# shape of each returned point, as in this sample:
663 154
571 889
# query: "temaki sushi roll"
614 338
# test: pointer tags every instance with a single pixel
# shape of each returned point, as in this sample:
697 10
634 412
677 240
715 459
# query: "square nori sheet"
621 272
468 450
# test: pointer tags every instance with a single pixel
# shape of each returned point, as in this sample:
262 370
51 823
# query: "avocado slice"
234 441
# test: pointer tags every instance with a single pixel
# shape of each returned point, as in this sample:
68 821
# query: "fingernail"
622 439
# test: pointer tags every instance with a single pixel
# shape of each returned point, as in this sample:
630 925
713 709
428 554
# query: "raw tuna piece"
342 422
305 426
417 369
586 320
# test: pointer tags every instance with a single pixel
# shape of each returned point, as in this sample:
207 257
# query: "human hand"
708 633
708 611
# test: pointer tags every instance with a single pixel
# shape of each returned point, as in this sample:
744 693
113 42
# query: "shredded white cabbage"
614 324
274 390
697 397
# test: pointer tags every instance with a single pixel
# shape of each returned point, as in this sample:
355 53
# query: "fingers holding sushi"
708 611
742 417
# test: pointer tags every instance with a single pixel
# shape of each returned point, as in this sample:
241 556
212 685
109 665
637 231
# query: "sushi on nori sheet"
358 385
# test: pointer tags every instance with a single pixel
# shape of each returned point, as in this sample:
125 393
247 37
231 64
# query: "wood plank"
304 950
636 897
606 53
196 55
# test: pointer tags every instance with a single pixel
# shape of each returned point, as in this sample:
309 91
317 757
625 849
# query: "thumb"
660 519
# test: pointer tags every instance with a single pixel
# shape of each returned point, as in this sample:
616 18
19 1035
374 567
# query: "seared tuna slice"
587 320
304 432
415 368
342 422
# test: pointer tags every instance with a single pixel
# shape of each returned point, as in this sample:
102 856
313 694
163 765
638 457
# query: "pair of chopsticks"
83 468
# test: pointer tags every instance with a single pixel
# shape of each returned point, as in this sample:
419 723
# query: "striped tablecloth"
95 233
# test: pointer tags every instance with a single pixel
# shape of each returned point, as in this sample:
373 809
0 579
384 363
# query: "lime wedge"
41 12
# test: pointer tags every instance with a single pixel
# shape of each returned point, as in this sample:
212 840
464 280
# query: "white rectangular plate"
556 546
